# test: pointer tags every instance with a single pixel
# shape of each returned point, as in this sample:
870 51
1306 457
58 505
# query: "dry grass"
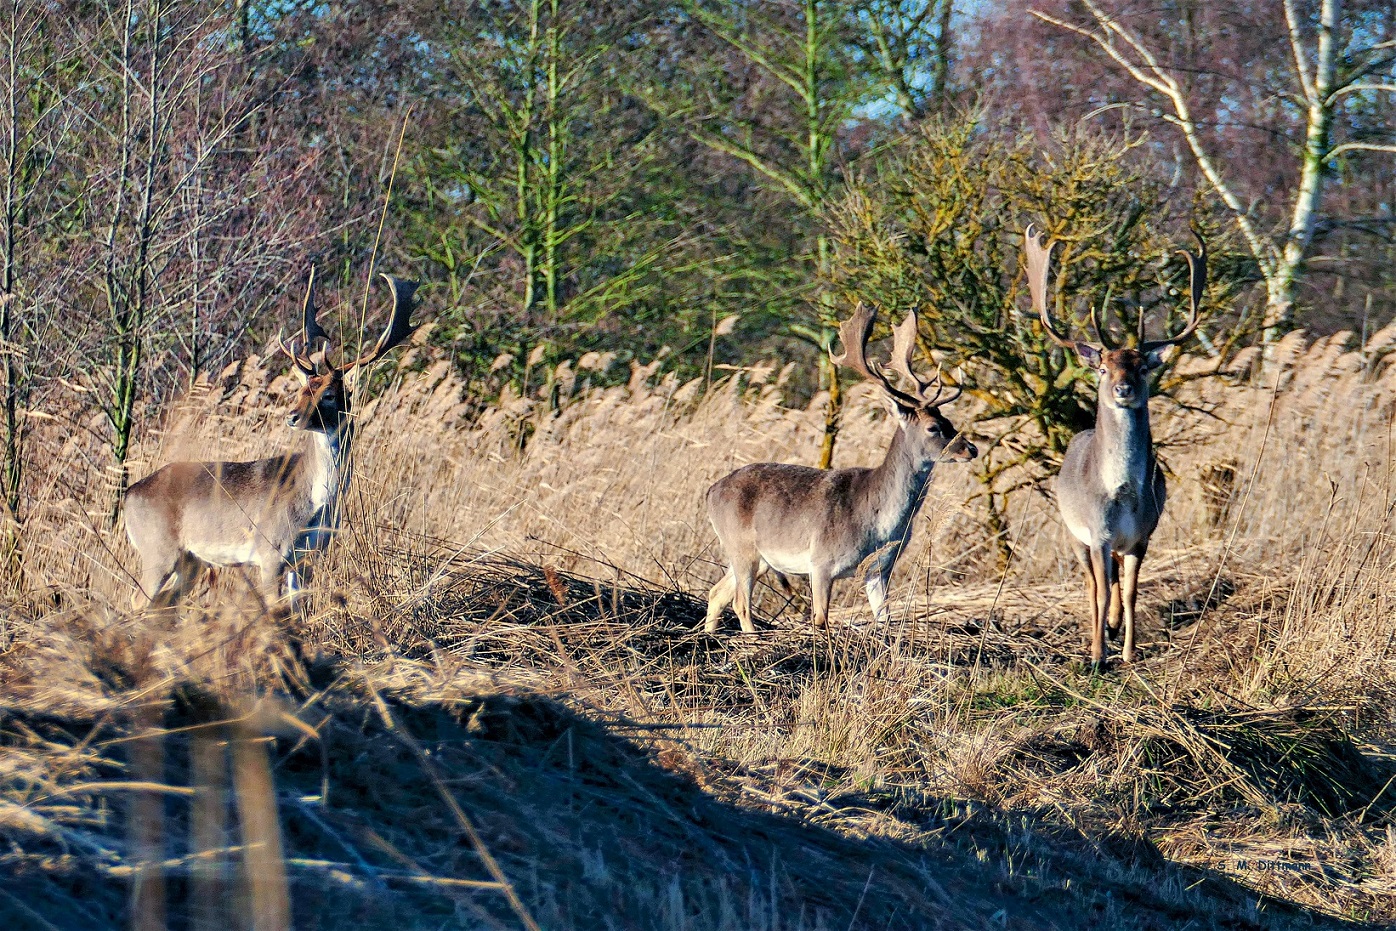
515 609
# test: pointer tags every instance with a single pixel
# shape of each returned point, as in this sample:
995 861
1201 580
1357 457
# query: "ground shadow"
386 810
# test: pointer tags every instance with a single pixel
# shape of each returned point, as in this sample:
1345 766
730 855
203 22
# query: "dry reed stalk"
868 729
145 821
208 830
264 860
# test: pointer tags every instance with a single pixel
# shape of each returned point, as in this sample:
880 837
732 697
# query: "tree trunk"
1318 131
833 411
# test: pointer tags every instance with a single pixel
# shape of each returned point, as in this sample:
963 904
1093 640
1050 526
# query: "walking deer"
824 524
268 512
1110 489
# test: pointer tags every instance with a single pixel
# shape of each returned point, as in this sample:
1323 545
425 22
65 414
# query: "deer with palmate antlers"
268 512
1110 490
825 524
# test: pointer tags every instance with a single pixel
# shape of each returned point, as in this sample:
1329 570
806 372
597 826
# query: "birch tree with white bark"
1336 58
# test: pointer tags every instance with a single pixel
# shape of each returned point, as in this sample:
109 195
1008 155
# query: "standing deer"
264 512
824 524
1110 490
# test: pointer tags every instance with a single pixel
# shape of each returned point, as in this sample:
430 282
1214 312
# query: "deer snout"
963 450
1124 393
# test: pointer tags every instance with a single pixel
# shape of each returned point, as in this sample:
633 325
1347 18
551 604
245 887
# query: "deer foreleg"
876 587
271 569
1083 556
821 585
292 583
1129 592
1100 601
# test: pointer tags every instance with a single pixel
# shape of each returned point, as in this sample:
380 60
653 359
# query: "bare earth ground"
499 709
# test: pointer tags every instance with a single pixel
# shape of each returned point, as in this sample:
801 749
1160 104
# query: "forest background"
635 225
710 184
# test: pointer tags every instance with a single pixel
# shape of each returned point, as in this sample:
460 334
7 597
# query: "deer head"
1122 370
917 411
323 402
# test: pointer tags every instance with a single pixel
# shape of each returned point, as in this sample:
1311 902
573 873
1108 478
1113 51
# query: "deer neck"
328 470
1124 447
897 486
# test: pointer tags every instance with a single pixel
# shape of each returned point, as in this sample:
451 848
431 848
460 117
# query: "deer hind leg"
1100 600
787 588
744 573
271 568
168 581
1129 592
719 597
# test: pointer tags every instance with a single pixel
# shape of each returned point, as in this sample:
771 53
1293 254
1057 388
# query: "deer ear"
899 411
301 377
1088 354
1154 358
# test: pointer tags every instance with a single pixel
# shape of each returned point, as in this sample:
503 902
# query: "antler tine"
854 333
1197 283
959 390
903 348
399 327
1039 258
310 330
1098 321
939 382
298 360
310 327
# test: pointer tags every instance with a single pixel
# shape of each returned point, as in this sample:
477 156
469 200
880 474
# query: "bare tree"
182 219
1334 61
33 123
909 45
784 125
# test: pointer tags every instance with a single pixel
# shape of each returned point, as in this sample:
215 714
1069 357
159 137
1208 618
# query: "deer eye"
1104 371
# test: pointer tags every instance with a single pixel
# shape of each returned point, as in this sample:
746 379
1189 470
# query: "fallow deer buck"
267 512
1110 489
824 524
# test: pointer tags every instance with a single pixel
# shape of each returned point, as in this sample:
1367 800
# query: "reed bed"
545 558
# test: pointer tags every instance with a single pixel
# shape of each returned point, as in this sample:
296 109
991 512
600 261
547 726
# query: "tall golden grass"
617 475
1269 643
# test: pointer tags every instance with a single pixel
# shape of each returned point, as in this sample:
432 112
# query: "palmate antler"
399 325
1039 256
903 348
398 329
854 333
1039 259
1197 283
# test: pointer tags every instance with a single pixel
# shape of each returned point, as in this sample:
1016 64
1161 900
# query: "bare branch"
1152 75
1360 147
1297 50
1361 87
